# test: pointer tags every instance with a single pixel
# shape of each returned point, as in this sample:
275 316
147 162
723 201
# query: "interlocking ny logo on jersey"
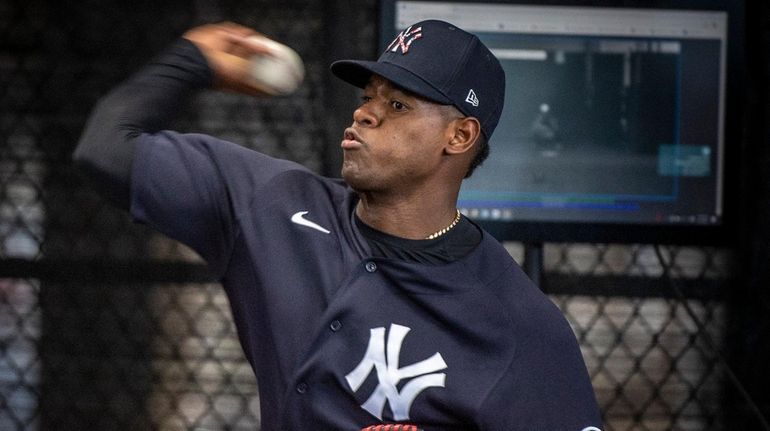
386 365
404 40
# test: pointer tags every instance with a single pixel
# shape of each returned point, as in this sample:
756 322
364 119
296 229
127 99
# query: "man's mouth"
351 139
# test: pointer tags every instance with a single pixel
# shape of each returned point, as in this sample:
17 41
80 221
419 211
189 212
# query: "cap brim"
357 73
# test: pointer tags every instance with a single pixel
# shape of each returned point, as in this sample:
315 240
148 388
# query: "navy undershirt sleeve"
144 103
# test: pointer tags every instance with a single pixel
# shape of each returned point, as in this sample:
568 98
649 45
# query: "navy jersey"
340 340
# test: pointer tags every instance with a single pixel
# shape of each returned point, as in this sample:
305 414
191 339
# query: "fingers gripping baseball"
245 61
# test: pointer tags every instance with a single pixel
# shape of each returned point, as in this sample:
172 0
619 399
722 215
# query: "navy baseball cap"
442 63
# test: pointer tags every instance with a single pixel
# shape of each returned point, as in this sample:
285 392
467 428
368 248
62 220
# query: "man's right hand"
227 49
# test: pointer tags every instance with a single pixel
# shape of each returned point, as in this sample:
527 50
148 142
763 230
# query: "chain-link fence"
106 325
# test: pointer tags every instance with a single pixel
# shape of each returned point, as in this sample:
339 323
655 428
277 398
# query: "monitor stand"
533 262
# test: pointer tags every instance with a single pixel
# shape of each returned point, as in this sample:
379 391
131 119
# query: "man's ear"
466 133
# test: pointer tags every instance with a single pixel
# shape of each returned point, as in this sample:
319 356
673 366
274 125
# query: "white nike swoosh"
299 219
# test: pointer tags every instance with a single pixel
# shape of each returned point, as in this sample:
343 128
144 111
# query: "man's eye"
398 106
365 99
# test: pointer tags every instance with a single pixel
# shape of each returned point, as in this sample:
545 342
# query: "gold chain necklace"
446 229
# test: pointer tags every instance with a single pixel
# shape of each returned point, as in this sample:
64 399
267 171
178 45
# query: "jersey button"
302 388
371 267
336 325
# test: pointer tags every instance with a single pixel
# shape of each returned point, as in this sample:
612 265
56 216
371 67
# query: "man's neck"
407 218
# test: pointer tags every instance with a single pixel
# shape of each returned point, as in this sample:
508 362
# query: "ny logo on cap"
404 39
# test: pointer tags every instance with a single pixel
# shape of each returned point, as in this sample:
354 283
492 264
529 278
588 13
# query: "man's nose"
364 116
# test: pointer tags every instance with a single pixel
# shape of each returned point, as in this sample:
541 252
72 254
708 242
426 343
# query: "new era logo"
405 39
472 98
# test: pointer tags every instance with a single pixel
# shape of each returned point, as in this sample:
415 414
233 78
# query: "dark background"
106 325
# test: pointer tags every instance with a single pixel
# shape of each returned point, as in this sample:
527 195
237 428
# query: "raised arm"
211 55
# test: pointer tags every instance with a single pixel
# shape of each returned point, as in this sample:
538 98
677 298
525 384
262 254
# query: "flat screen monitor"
614 125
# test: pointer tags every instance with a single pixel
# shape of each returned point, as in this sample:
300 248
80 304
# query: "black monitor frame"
724 233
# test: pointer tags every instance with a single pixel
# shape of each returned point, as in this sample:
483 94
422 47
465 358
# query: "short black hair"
482 152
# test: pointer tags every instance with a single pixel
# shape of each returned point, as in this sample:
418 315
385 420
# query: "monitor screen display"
613 116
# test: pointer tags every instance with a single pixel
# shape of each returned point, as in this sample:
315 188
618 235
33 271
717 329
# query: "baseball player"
368 302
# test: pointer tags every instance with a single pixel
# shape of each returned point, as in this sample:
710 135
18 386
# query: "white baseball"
280 71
